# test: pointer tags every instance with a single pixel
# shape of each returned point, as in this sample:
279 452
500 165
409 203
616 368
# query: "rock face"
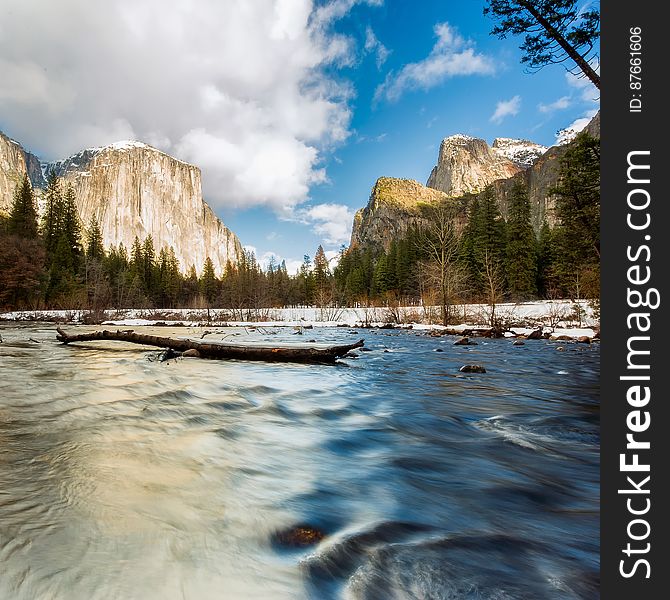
466 165
393 208
14 162
135 190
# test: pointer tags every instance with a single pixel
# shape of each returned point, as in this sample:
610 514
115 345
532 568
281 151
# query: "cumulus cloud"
374 46
560 104
240 89
506 108
331 221
586 91
568 134
452 55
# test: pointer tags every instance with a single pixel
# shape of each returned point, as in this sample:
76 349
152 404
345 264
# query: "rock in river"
472 369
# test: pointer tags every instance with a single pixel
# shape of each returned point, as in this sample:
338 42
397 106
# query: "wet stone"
472 369
298 536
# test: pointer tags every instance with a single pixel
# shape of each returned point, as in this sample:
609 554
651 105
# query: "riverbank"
553 318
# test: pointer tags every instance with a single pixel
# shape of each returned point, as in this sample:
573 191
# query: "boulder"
191 353
298 536
584 339
472 369
464 341
535 335
518 343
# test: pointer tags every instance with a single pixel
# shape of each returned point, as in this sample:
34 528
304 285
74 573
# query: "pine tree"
209 284
555 31
381 281
23 214
150 275
94 248
70 228
546 257
306 282
578 209
521 245
169 277
51 225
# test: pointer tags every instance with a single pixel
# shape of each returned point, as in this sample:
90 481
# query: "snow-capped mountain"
521 152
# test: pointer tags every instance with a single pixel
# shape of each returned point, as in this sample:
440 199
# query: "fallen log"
303 354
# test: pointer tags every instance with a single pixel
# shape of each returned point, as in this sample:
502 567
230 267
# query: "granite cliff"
133 189
393 208
465 166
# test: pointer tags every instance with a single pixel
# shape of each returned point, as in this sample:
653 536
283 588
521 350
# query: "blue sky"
292 109
400 136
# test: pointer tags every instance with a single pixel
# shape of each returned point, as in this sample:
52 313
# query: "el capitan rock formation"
133 189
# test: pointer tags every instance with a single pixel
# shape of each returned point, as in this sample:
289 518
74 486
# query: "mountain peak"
467 165
521 152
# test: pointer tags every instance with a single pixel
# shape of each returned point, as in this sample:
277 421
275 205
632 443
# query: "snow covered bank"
558 317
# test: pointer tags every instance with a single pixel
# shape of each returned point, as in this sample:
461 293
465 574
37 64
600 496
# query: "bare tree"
493 288
439 241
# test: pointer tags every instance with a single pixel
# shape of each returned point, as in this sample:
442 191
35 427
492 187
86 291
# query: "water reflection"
121 477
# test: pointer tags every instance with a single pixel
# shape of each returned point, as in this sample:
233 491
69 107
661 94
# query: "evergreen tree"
70 228
209 284
484 240
521 245
170 277
555 31
23 214
150 274
578 209
546 257
94 248
381 281
306 282
51 224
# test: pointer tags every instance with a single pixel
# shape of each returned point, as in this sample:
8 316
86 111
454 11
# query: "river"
123 477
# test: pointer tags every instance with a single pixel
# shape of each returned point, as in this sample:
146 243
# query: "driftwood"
304 354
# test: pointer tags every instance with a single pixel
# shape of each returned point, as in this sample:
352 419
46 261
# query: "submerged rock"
464 341
298 536
169 354
518 343
472 369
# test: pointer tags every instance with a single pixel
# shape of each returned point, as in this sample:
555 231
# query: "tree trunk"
584 66
303 354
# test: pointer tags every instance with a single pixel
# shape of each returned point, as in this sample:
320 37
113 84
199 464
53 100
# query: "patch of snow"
458 138
524 153
554 316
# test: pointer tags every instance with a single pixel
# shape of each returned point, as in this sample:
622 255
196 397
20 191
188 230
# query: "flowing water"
123 477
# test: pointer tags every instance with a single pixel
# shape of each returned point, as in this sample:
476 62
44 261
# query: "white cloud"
240 89
560 104
586 90
451 55
374 46
506 108
292 264
331 221
569 133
